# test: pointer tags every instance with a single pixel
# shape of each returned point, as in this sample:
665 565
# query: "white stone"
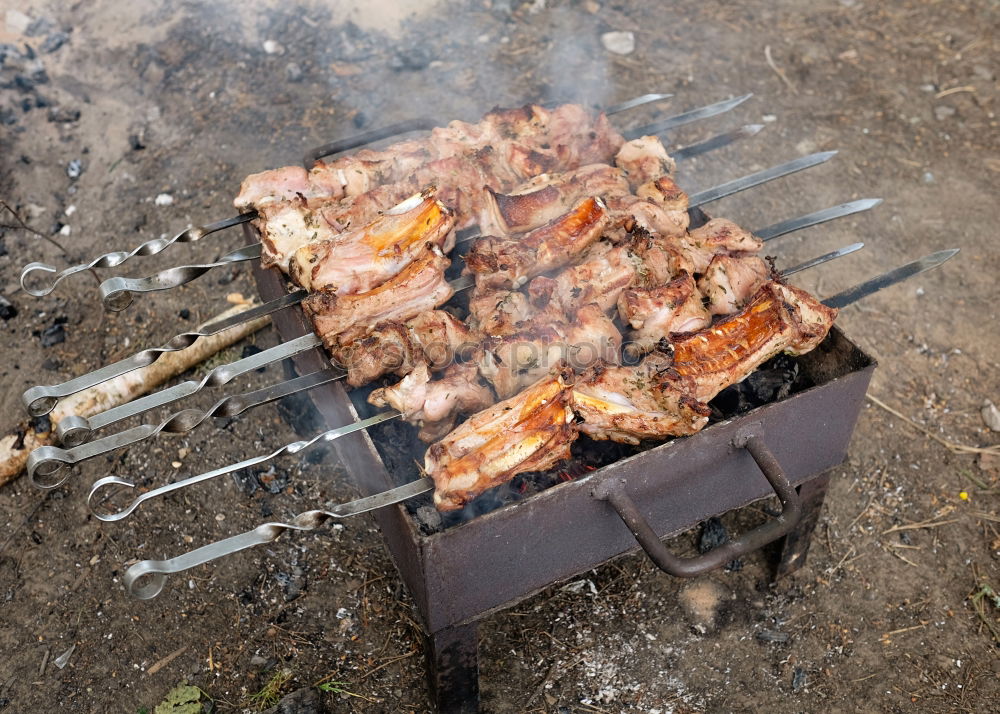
273 48
164 199
621 43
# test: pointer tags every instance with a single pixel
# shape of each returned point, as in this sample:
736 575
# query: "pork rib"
528 432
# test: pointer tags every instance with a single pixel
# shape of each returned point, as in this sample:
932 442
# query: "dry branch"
14 448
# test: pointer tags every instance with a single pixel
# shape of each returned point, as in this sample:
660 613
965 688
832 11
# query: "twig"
861 679
904 629
951 445
918 526
903 558
777 70
984 516
387 663
25 227
157 666
955 90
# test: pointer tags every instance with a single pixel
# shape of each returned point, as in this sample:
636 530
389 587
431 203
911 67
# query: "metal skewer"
158 245
117 293
44 463
157 570
326 436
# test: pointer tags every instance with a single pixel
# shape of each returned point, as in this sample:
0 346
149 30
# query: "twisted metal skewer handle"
75 430
292 448
46 462
117 293
157 570
42 399
116 258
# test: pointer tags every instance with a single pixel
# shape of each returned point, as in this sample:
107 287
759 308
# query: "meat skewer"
501 361
413 342
154 572
158 245
42 399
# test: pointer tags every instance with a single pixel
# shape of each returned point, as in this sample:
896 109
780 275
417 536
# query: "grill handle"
613 491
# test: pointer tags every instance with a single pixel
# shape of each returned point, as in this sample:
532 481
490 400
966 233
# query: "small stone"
164 199
176 464
919 292
943 111
74 169
218 516
591 6
991 415
52 364
928 177
621 43
65 230
184 314
8 311
136 141
273 48
293 73
769 118
17 22
53 42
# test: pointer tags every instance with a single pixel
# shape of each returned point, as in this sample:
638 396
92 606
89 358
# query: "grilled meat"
719 235
528 432
516 144
510 262
779 318
340 319
620 404
435 337
644 159
655 313
512 361
547 197
599 278
362 259
435 403
731 280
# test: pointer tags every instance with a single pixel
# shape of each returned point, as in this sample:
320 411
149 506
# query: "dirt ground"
184 99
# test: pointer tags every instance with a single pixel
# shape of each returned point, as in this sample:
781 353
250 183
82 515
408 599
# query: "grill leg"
794 547
453 668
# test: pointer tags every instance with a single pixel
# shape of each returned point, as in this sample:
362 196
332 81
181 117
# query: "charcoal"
63 115
52 335
8 310
74 169
250 351
773 636
799 679
53 42
713 534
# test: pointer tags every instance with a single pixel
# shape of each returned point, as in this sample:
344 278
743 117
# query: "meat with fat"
421 286
732 280
362 259
531 431
655 313
511 262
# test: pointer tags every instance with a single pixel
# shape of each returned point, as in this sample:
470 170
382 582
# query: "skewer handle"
117 293
115 258
158 570
292 448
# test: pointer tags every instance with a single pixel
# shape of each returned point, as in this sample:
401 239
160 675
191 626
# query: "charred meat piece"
547 197
524 142
599 278
620 404
513 361
421 286
362 259
731 280
510 262
644 159
529 432
665 193
779 318
655 313
435 403
435 337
